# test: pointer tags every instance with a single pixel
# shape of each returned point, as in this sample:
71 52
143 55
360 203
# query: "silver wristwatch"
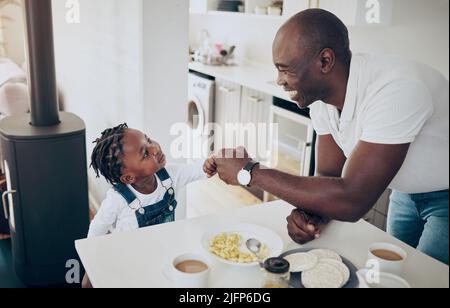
245 175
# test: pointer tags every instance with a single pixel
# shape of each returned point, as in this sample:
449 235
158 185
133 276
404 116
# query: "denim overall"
155 214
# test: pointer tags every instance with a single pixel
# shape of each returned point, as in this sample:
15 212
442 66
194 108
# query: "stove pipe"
41 63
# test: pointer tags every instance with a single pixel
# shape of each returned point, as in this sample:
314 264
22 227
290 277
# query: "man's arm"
366 175
330 159
304 227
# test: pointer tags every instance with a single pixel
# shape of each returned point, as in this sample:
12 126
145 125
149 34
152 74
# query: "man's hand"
304 228
210 167
229 162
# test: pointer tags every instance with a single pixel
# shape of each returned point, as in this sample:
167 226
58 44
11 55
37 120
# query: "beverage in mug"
191 266
387 255
390 258
188 271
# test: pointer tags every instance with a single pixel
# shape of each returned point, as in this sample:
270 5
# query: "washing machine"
200 109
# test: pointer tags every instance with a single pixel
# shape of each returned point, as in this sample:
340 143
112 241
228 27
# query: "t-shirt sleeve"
397 113
184 174
106 218
319 118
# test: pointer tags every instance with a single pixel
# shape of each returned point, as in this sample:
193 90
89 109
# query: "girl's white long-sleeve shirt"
116 215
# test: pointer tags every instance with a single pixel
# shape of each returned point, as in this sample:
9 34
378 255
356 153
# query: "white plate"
266 236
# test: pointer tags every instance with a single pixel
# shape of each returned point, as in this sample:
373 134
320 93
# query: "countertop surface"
254 76
138 258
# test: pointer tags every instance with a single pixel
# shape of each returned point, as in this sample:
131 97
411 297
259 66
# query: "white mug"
384 265
180 279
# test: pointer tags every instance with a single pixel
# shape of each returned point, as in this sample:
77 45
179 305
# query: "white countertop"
137 259
257 77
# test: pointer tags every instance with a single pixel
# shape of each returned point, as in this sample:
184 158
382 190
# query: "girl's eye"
146 154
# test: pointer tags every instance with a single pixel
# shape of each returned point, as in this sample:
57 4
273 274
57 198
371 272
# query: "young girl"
143 190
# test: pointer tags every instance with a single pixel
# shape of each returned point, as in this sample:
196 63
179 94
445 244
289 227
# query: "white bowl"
266 236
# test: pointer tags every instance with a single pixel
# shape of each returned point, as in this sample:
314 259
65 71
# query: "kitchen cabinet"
255 109
241 113
359 12
227 112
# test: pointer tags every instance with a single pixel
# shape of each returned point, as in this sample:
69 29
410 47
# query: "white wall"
419 31
99 67
13 33
252 36
126 61
165 47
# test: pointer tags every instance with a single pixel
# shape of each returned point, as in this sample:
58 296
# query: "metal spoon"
255 247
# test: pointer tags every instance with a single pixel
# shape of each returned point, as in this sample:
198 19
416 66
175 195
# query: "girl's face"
142 157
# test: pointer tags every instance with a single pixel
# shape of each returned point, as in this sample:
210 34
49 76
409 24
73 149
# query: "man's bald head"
315 29
312 54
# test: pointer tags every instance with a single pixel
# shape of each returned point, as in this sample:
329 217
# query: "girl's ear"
127 179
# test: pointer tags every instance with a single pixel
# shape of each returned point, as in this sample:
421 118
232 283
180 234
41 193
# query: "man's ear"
128 179
328 60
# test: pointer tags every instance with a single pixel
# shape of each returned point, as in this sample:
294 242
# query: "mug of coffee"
390 258
188 271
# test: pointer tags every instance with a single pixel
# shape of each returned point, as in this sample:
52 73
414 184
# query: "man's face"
296 69
143 157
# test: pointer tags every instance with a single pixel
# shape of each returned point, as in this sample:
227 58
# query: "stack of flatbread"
320 268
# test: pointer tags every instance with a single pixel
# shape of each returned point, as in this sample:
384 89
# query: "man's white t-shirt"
393 101
116 215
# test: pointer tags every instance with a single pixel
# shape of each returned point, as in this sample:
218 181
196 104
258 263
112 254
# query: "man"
381 122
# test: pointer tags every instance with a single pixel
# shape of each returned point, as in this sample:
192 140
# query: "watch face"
244 177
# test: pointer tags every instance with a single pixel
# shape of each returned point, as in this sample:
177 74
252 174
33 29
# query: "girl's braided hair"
107 156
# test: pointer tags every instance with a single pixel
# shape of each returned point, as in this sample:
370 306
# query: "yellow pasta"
227 246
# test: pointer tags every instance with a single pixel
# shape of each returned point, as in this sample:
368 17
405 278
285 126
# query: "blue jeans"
421 221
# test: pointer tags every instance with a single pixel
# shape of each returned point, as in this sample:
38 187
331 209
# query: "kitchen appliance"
45 164
293 147
200 107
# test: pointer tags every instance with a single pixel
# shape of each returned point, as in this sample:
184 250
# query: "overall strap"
130 197
125 192
165 178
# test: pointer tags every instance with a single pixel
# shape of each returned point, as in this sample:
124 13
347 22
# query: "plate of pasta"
227 244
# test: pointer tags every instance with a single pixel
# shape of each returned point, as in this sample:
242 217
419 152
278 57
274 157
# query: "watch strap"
250 166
